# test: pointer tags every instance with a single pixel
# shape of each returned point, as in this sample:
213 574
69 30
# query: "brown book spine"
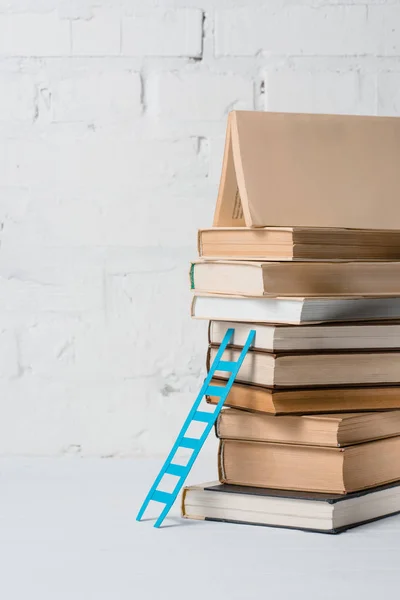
199 243
208 359
216 427
192 306
209 332
221 469
184 492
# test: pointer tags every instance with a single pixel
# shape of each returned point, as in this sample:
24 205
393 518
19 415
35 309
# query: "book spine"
191 276
184 492
199 243
217 426
208 359
221 469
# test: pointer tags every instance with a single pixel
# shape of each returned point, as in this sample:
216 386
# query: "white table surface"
68 532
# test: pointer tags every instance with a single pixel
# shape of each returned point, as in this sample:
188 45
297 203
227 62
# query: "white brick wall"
160 32
112 120
30 34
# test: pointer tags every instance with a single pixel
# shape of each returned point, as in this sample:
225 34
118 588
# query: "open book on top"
286 169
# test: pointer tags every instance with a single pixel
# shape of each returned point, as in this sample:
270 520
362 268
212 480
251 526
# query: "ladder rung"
226 365
163 497
215 390
190 443
204 417
177 470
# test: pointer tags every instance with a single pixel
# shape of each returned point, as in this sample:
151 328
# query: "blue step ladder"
196 444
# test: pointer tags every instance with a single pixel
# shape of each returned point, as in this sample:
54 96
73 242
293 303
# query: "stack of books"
310 436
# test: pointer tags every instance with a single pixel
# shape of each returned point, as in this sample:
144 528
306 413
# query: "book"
336 430
324 513
298 243
308 369
279 279
294 310
309 468
303 170
334 336
309 400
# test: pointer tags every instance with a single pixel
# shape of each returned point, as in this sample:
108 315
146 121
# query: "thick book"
309 468
298 243
279 279
309 369
343 336
322 513
336 430
309 400
304 170
294 311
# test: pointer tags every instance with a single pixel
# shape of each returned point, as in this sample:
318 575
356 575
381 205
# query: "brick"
55 219
29 6
75 9
295 30
34 280
34 35
389 94
110 97
198 95
141 286
17 97
320 91
48 345
385 21
101 161
98 36
91 218
161 32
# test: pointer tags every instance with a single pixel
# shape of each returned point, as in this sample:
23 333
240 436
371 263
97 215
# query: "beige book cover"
293 279
337 429
287 169
310 468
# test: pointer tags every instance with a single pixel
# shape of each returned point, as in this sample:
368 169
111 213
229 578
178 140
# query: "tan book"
308 369
309 400
311 468
280 279
336 430
298 243
333 336
304 170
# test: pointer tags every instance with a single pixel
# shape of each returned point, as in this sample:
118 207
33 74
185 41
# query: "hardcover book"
293 310
279 279
336 430
322 513
308 369
305 170
289 401
298 243
310 468
333 336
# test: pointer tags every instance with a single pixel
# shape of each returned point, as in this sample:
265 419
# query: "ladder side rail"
210 425
227 337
